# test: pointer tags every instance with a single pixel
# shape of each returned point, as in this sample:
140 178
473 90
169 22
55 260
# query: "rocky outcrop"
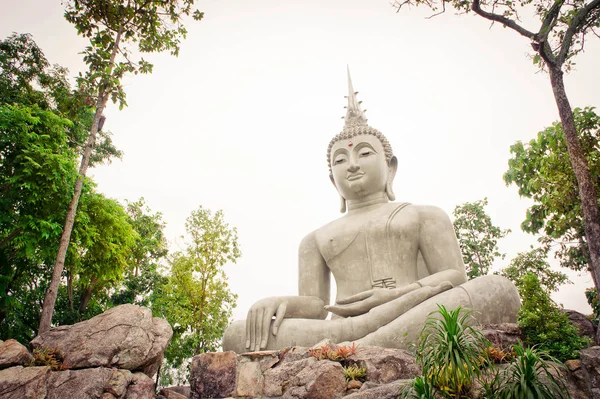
126 337
294 373
504 335
13 353
584 325
110 356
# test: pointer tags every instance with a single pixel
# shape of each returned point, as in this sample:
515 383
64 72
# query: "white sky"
240 121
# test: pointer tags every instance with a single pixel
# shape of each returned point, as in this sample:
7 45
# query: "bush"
450 351
544 325
532 374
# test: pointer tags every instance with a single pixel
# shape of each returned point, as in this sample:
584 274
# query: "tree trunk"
587 191
85 298
52 292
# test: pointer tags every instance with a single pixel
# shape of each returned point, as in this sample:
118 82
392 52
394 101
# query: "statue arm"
314 295
439 247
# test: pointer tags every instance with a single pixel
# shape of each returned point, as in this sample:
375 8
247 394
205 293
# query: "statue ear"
342 199
392 169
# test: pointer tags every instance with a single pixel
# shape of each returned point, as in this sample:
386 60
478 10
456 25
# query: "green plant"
544 325
532 374
592 297
334 353
355 373
420 388
51 357
450 351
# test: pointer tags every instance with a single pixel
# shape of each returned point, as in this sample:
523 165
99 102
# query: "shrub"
53 358
450 351
355 373
532 374
544 325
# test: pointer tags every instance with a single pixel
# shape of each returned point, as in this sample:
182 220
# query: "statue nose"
353 167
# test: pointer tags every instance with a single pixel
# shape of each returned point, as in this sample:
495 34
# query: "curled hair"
352 131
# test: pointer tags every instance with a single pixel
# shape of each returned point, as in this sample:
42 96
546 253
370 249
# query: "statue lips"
355 177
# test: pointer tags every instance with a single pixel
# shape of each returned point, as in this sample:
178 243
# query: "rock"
277 379
503 335
183 390
354 384
168 394
325 380
106 383
213 375
584 325
24 382
590 363
384 391
386 364
12 353
126 337
249 379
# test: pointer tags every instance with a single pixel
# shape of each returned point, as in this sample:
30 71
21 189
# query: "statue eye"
366 153
339 161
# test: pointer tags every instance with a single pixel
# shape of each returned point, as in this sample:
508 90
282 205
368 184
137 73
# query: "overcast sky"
240 121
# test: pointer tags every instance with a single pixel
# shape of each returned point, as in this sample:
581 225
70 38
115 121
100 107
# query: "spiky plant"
419 388
532 374
450 351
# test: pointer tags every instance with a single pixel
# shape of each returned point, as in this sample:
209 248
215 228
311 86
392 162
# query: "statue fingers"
356 297
279 315
343 311
258 327
248 318
252 321
266 323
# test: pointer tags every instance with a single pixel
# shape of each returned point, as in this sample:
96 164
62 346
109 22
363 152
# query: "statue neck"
379 198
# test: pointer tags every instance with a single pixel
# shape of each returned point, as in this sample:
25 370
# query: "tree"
195 298
542 171
534 261
564 26
477 237
111 26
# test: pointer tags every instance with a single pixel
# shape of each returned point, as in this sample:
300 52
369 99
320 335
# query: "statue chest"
372 249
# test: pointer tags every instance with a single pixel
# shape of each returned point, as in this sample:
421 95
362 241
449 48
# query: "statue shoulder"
428 212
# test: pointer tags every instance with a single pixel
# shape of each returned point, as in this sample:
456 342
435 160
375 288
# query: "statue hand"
364 301
259 320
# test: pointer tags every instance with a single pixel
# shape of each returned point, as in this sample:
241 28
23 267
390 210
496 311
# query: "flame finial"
355 116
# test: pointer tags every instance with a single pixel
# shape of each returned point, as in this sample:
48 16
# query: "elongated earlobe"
390 192
342 204
393 167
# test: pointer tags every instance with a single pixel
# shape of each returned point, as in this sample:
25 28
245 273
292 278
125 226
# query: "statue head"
360 158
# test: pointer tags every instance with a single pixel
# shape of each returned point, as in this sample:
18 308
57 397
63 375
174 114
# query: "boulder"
12 353
590 363
183 390
386 364
105 383
503 335
584 325
213 375
24 382
324 380
125 337
383 391
278 378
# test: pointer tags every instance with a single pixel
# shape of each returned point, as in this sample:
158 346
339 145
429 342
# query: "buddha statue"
393 262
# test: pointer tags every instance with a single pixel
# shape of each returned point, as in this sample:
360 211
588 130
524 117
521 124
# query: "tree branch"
574 27
476 7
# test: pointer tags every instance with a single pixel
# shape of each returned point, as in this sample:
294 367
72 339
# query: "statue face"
359 167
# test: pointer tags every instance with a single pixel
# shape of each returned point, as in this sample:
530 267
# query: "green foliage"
534 261
477 237
195 298
354 372
532 374
542 171
544 325
592 297
450 351
563 25
145 26
419 388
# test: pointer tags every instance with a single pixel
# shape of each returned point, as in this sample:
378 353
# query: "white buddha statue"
392 262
